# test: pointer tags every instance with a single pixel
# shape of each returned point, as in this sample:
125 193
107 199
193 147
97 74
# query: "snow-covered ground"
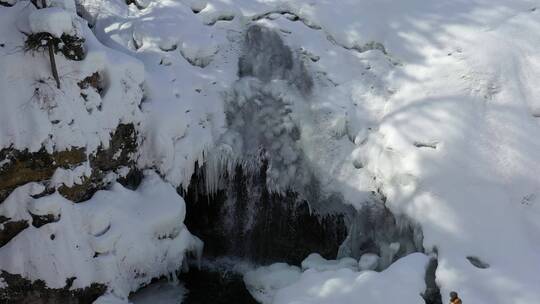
433 103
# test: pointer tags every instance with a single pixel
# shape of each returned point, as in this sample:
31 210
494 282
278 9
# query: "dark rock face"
23 291
246 220
432 294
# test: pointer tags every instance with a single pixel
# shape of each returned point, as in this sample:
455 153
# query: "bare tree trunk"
51 54
53 64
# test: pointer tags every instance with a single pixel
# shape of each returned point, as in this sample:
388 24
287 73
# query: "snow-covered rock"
368 261
52 20
120 238
403 282
35 114
317 262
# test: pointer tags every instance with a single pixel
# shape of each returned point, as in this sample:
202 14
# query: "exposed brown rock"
93 81
10 230
25 167
24 291
40 220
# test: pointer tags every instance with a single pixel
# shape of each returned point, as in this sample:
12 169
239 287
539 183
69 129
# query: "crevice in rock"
431 145
477 262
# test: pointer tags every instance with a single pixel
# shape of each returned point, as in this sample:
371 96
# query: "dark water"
215 286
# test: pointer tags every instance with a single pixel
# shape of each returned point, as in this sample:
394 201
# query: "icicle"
185 265
196 248
173 278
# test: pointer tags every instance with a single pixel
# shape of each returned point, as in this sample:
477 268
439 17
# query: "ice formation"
427 111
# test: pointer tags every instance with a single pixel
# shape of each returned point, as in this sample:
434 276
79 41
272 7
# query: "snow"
434 104
35 114
68 5
317 262
368 261
110 298
119 237
53 20
403 282
70 177
263 282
